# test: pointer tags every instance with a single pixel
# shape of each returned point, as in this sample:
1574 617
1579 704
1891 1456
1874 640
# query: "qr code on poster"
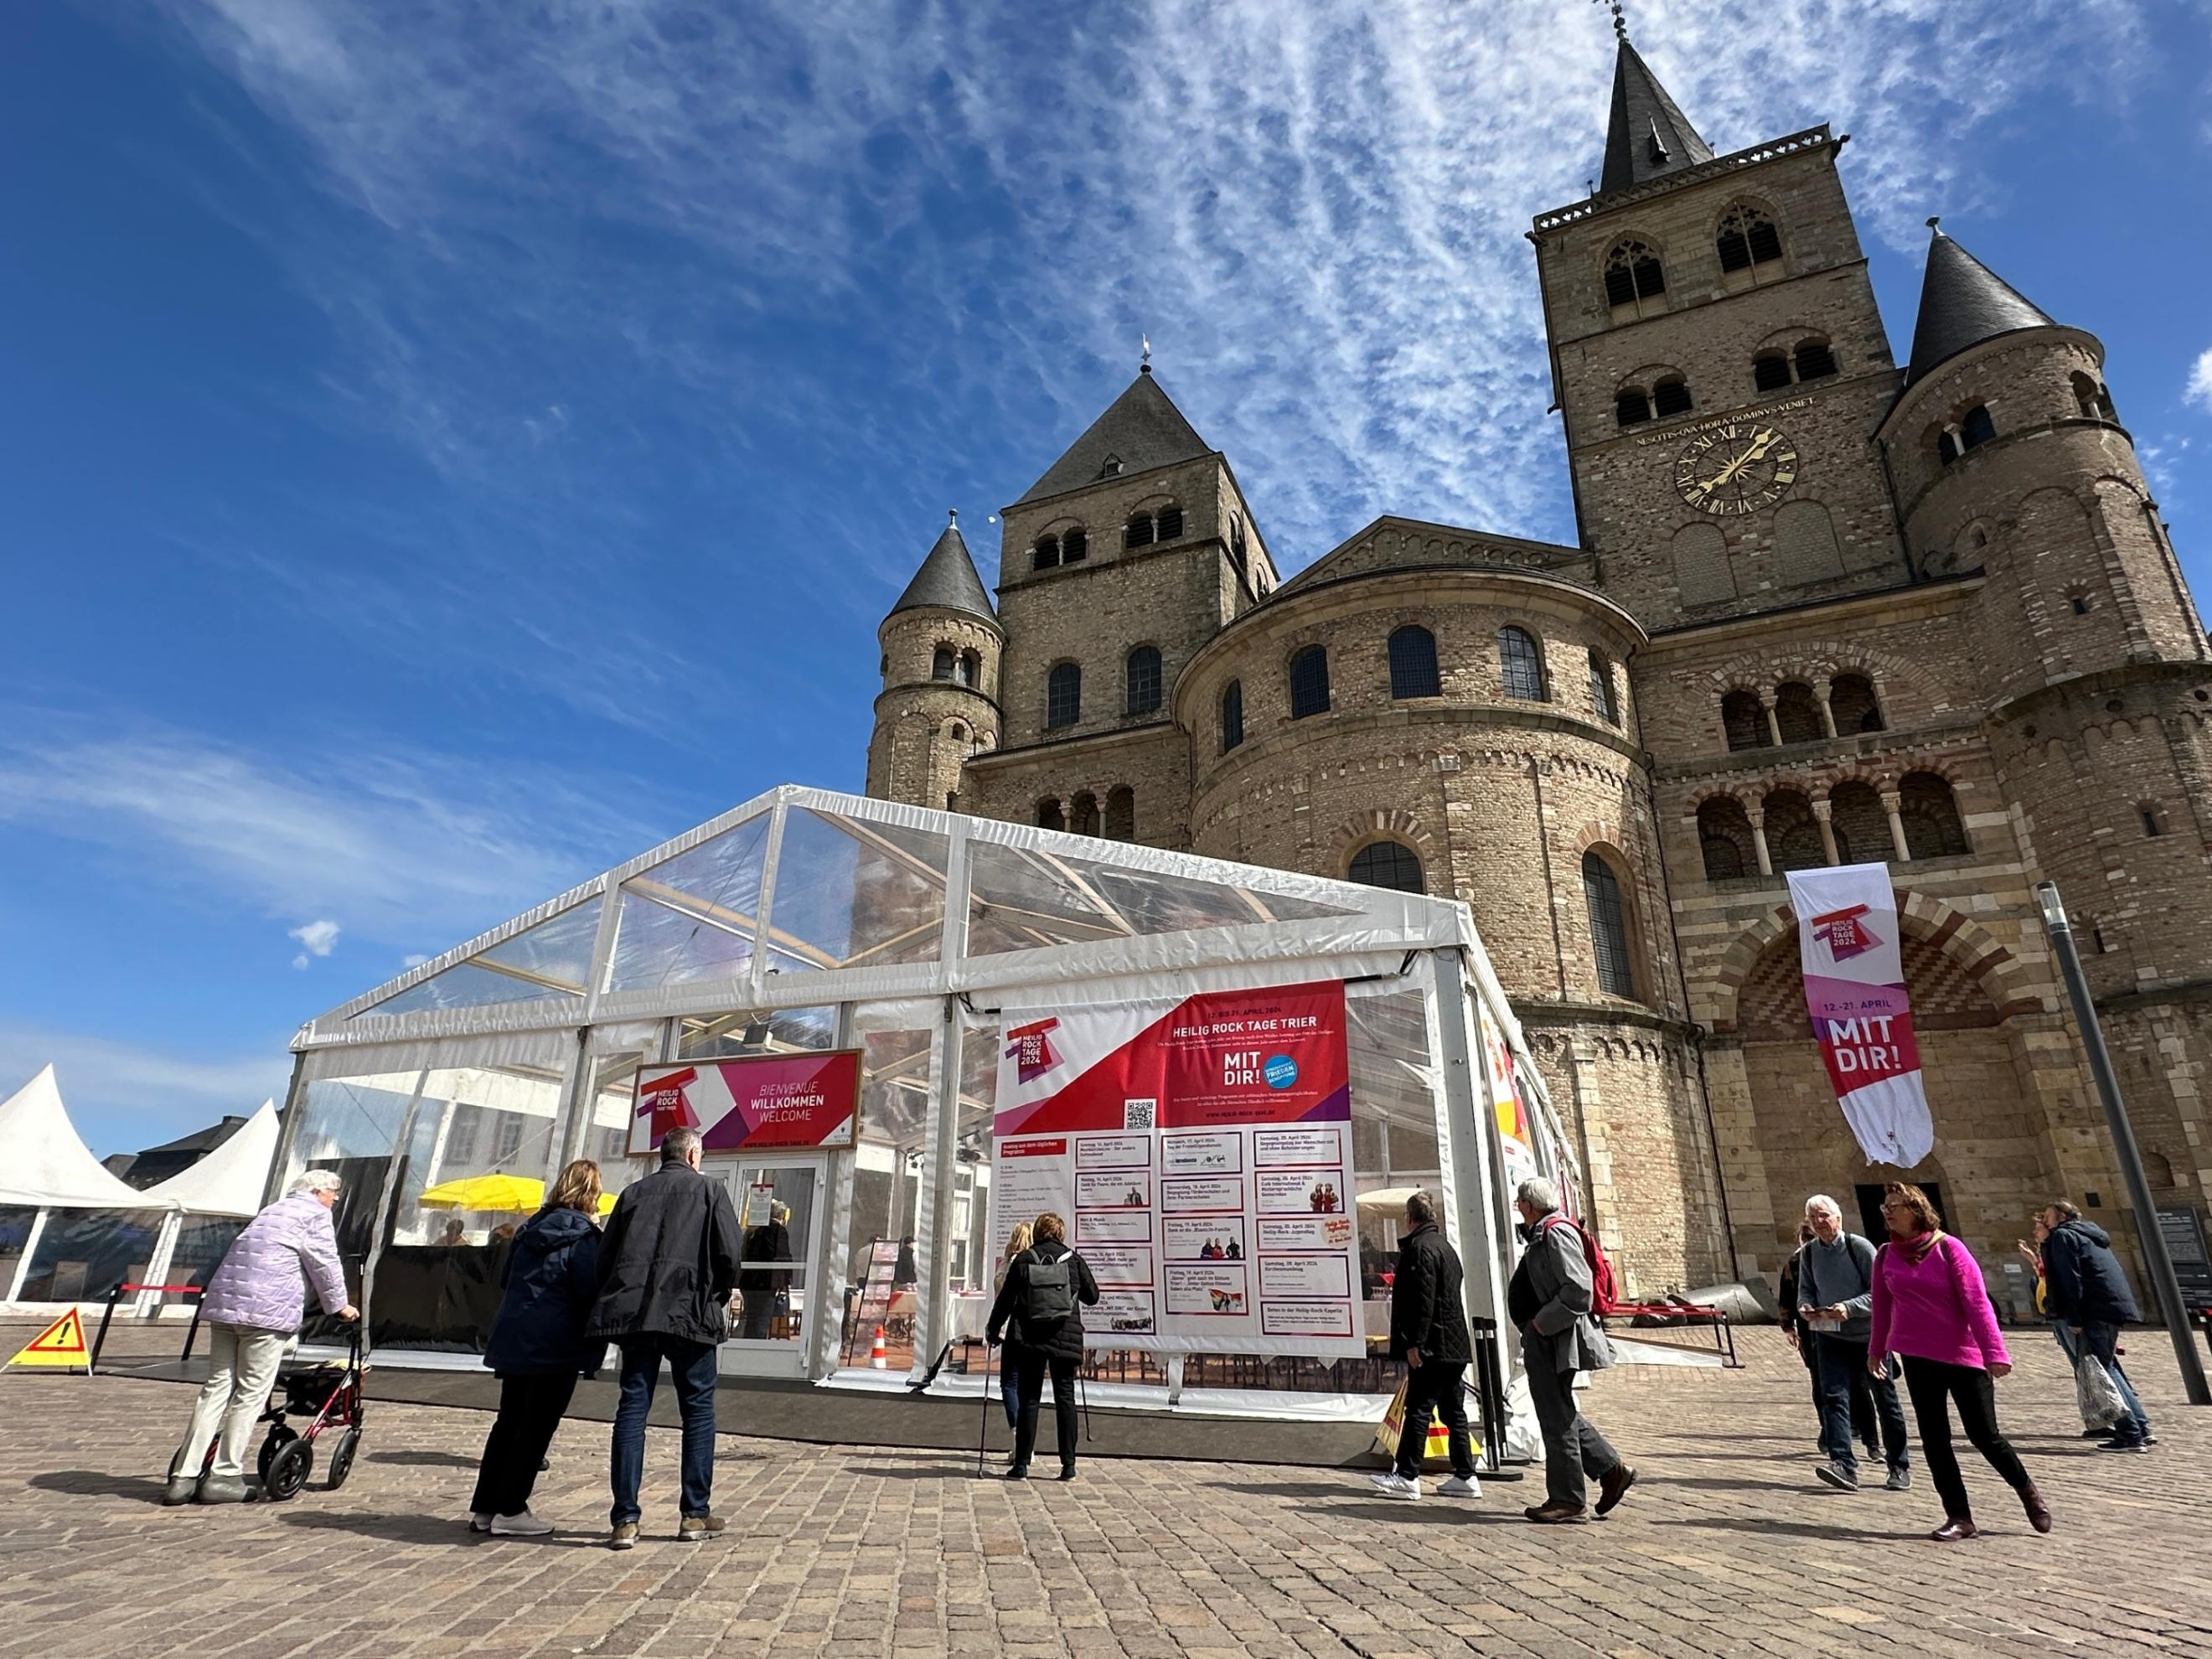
1138 1113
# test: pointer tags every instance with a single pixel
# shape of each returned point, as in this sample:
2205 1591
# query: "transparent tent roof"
804 898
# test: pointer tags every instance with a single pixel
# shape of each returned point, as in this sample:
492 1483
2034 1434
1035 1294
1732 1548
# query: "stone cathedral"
1823 608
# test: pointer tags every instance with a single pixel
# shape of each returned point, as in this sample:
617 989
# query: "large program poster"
1200 1152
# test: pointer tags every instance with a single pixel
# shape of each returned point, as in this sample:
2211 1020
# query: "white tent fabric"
230 1180
42 1163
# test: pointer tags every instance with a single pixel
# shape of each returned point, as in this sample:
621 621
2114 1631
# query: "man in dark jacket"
763 1288
2084 1287
1040 1311
1428 1331
1549 1302
667 1265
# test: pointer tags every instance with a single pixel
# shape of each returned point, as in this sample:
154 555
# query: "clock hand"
1757 452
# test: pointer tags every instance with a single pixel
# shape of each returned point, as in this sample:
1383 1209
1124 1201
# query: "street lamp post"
2160 1264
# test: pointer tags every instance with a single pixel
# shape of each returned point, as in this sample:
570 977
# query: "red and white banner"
1201 1153
760 1101
1852 951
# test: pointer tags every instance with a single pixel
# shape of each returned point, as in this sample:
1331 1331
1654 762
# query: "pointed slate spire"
947 579
1962 303
1649 136
1141 429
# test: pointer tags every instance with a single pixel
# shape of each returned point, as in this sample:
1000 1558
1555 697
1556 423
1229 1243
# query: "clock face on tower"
1735 469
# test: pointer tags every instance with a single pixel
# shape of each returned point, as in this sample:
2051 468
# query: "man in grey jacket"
1835 1306
1549 1300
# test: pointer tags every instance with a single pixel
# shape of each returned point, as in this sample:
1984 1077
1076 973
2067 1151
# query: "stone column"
1067 813
1821 809
1757 816
1773 725
1890 802
1820 689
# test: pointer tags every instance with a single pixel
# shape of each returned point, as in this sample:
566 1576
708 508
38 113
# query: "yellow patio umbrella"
495 1195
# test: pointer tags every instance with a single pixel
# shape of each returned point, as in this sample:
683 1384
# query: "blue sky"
450 447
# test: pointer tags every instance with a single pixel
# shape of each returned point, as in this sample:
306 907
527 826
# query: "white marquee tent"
64 1220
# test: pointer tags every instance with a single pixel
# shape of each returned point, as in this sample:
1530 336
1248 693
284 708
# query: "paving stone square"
1727 1547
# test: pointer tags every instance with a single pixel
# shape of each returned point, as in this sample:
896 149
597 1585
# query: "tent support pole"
30 1252
287 1131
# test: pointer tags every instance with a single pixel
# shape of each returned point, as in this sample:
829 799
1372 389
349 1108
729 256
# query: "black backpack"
1047 1291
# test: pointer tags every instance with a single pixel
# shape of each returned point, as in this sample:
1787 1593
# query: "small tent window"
1632 272
1671 396
1168 525
1046 555
1063 695
1600 686
1770 371
1413 663
1387 863
1073 547
1144 680
1138 532
1522 664
1608 926
1976 428
1309 683
1815 360
1631 408
1232 716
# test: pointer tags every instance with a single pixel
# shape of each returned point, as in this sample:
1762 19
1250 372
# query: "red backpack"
1605 1285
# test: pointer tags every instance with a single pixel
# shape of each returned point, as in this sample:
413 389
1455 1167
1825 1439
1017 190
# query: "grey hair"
1538 1193
678 1144
318 1181
1822 1202
1421 1206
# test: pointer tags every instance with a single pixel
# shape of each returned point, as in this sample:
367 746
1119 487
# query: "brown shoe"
698 1528
1557 1515
1953 1532
1614 1487
623 1537
2038 1512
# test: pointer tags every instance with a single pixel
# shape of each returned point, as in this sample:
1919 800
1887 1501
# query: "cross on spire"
1619 19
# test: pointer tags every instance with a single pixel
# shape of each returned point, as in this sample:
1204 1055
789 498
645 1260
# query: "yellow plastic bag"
1438 1450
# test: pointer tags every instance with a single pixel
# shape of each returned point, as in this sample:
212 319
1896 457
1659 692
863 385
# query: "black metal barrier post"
107 1314
1490 1394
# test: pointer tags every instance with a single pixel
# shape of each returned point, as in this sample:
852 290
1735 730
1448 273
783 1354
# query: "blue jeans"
1843 1363
692 1365
2067 1345
1010 1388
2101 1340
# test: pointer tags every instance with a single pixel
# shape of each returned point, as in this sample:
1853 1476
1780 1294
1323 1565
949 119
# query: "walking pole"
983 1428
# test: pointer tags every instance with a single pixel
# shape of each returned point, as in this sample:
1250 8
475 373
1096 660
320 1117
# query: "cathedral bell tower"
941 646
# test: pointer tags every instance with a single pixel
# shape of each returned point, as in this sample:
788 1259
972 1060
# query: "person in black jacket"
1428 1331
1041 1282
539 1349
2085 1287
762 1288
667 1266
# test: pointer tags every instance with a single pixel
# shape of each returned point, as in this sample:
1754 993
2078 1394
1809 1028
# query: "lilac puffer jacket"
263 1283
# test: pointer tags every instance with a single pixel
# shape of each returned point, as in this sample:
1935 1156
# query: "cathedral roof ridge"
1962 303
1140 430
947 579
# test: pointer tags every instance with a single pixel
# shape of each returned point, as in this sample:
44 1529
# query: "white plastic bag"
2096 1394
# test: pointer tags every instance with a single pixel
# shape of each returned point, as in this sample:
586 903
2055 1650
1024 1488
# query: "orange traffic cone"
877 1357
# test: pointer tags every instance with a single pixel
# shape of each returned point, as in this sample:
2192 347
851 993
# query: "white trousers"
241 1368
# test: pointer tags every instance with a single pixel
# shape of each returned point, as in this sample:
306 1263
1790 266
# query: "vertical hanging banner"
1850 948
1516 1134
1200 1152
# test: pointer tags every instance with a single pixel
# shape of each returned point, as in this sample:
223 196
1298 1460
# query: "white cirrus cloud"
2198 389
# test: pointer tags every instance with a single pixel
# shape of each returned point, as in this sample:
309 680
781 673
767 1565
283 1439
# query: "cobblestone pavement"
1728 1546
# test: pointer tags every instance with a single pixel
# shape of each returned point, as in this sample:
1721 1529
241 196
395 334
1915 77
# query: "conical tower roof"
1962 303
947 579
1141 429
1649 136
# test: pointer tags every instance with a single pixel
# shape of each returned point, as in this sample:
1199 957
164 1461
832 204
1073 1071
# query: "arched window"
1746 238
1046 555
1236 535
2151 823
1387 863
1851 701
1073 546
1793 835
1600 688
1860 826
1521 664
1063 695
1816 359
1743 717
1084 820
1168 526
1232 715
1121 813
1976 428
1608 926
1632 274
1933 829
1631 408
1770 371
2091 398
1947 446
1309 683
1138 532
1797 714
963 668
1413 663
2080 601
1048 815
940 665
1671 396
1724 839
1144 680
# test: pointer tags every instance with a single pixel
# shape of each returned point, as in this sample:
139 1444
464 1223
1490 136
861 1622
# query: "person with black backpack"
1040 1314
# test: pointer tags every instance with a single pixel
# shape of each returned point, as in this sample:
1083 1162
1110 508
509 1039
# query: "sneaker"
623 1537
1068 1471
1394 1485
1018 1472
1900 1480
181 1488
522 1524
2095 1434
2116 1445
1460 1485
220 1489
1837 1476
697 1529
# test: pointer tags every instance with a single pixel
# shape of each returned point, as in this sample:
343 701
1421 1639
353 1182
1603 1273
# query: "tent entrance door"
778 1196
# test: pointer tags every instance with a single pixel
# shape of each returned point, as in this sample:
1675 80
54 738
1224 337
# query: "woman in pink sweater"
1932 1311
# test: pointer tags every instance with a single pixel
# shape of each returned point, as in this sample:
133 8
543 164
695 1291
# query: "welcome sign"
759 1102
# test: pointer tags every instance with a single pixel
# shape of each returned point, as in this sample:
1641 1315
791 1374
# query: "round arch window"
1387 864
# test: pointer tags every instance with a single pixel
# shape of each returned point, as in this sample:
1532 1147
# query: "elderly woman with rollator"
252 1308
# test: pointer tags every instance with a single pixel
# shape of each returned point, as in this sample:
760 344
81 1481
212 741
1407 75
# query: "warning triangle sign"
59 1347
